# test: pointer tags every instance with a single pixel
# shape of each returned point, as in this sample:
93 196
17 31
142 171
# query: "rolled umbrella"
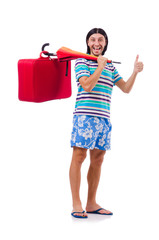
66 54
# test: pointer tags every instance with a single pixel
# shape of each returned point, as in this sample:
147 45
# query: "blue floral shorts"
91 132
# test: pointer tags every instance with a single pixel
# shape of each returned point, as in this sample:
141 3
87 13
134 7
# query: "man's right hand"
102 61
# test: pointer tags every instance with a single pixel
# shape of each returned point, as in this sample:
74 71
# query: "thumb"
137 58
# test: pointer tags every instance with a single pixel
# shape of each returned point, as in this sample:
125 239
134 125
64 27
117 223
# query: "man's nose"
96 42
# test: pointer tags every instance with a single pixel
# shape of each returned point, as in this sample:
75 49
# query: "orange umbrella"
66 54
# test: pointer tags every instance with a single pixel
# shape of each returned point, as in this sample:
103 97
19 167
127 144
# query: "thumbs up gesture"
138 66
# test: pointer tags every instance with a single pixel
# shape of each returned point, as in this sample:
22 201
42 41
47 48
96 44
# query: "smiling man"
91 122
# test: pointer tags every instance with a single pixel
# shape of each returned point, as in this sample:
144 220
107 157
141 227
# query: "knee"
97 160
79 155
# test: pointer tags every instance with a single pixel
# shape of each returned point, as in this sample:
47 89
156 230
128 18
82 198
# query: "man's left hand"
138 66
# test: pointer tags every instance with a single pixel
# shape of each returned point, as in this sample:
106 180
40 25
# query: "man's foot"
97 209
79 212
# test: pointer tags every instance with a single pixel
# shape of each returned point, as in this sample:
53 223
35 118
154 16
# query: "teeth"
97 48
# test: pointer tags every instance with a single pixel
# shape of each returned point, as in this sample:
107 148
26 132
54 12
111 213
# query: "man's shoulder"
81 60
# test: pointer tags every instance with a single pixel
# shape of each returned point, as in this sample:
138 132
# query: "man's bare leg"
79 155
93 177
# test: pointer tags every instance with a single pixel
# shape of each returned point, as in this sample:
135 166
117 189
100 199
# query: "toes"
81 214
103 211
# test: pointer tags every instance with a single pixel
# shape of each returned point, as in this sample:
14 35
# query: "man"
91 123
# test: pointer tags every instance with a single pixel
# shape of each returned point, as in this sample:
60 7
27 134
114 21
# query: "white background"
35 153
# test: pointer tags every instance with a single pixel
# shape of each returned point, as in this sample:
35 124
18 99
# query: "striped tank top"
98 101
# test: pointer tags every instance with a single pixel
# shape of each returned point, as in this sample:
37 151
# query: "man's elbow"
87 88
126 91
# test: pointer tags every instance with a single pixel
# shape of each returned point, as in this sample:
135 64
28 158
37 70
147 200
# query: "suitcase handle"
45 52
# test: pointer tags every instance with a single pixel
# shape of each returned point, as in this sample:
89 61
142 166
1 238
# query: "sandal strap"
77 212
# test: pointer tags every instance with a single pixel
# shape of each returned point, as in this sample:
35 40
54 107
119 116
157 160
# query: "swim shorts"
91 132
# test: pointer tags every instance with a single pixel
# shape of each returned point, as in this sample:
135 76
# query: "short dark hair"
97 30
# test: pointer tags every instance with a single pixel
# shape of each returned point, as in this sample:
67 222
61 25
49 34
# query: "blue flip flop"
76 216
98 212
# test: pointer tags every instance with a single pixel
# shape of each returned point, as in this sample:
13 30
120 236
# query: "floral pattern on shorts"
91 132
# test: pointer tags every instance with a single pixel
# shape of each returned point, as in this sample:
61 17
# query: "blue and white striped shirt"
97 102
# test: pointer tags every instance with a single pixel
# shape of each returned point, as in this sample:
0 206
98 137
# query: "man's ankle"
91 202
77 204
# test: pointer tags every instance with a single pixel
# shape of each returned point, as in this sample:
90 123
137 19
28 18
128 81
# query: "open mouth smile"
96 48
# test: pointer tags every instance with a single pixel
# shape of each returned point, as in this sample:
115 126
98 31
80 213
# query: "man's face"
96 43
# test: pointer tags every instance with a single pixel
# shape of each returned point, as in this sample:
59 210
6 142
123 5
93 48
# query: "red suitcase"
43 79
